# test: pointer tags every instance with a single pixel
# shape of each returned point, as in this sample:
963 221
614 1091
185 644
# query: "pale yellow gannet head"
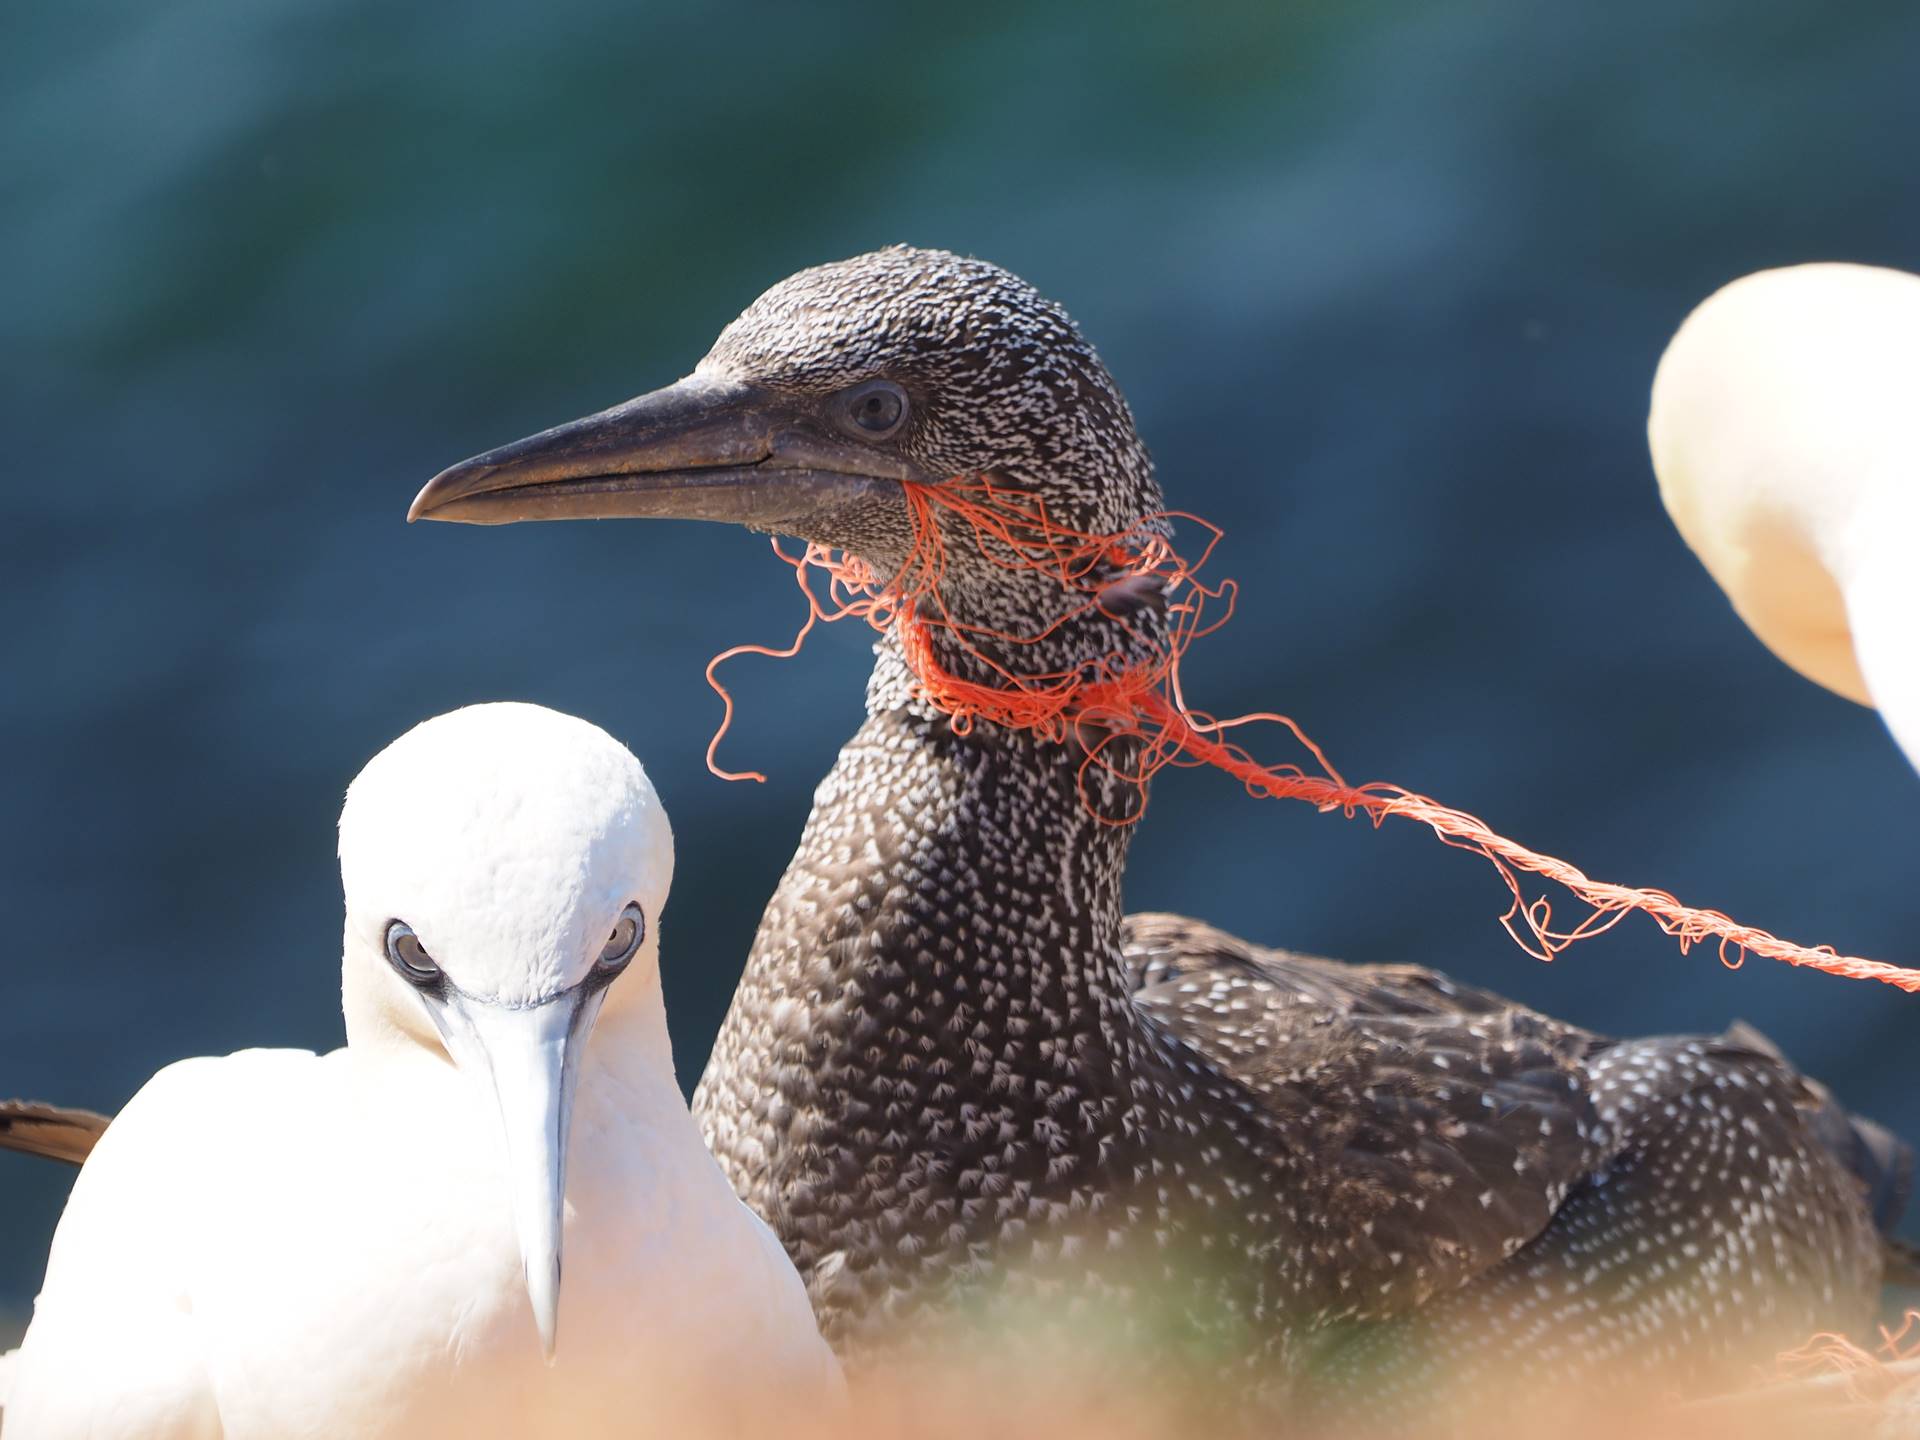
505 867
1785 431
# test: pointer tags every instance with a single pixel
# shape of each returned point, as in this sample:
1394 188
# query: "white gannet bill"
370 1242
1785 430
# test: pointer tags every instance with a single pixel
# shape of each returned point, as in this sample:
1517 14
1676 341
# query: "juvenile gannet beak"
532 1053
701 449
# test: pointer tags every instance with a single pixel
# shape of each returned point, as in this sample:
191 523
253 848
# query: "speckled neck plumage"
933 1053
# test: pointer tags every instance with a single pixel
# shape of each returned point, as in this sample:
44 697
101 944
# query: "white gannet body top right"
1785 430
369 1243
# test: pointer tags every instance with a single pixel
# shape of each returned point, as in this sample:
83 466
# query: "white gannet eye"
407 955
625 939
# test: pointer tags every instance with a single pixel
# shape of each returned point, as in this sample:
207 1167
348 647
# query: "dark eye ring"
876 409
628 932
407 955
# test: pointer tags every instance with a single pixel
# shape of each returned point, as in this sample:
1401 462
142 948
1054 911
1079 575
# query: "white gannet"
1785 430
368 1243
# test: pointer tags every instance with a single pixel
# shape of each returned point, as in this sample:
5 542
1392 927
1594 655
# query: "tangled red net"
1097 703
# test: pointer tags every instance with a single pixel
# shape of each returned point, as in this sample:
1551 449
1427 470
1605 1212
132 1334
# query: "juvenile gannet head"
504 867
828 391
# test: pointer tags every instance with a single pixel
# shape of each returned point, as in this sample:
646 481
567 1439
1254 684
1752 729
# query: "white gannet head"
504 866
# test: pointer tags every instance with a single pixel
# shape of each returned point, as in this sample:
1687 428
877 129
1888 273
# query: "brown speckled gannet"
953 1062
368 1243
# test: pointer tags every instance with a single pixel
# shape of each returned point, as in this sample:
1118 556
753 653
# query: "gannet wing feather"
143 1379
113 1351
1451 1121
58 1133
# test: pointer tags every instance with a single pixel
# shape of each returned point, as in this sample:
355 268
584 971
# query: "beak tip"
546 1318
424 503
542 1270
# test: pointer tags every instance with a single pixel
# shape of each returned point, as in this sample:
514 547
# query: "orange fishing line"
1100 701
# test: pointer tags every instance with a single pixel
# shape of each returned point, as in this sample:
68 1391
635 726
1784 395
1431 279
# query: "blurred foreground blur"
1049 1400
1019 1386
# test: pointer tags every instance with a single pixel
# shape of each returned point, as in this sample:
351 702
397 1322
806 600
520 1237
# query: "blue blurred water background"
1385 282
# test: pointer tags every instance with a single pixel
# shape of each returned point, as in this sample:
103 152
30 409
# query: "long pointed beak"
533 1056
701 449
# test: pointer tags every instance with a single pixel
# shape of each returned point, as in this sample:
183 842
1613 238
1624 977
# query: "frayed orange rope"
1865 1377
1098 702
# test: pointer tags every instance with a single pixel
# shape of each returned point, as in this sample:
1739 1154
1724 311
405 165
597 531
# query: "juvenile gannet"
953 1064
1785 430
368 1243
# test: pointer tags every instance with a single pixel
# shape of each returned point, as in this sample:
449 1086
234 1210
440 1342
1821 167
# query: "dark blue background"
1385 282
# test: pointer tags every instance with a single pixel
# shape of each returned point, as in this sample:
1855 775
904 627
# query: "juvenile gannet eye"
625 939
876 410
407 955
